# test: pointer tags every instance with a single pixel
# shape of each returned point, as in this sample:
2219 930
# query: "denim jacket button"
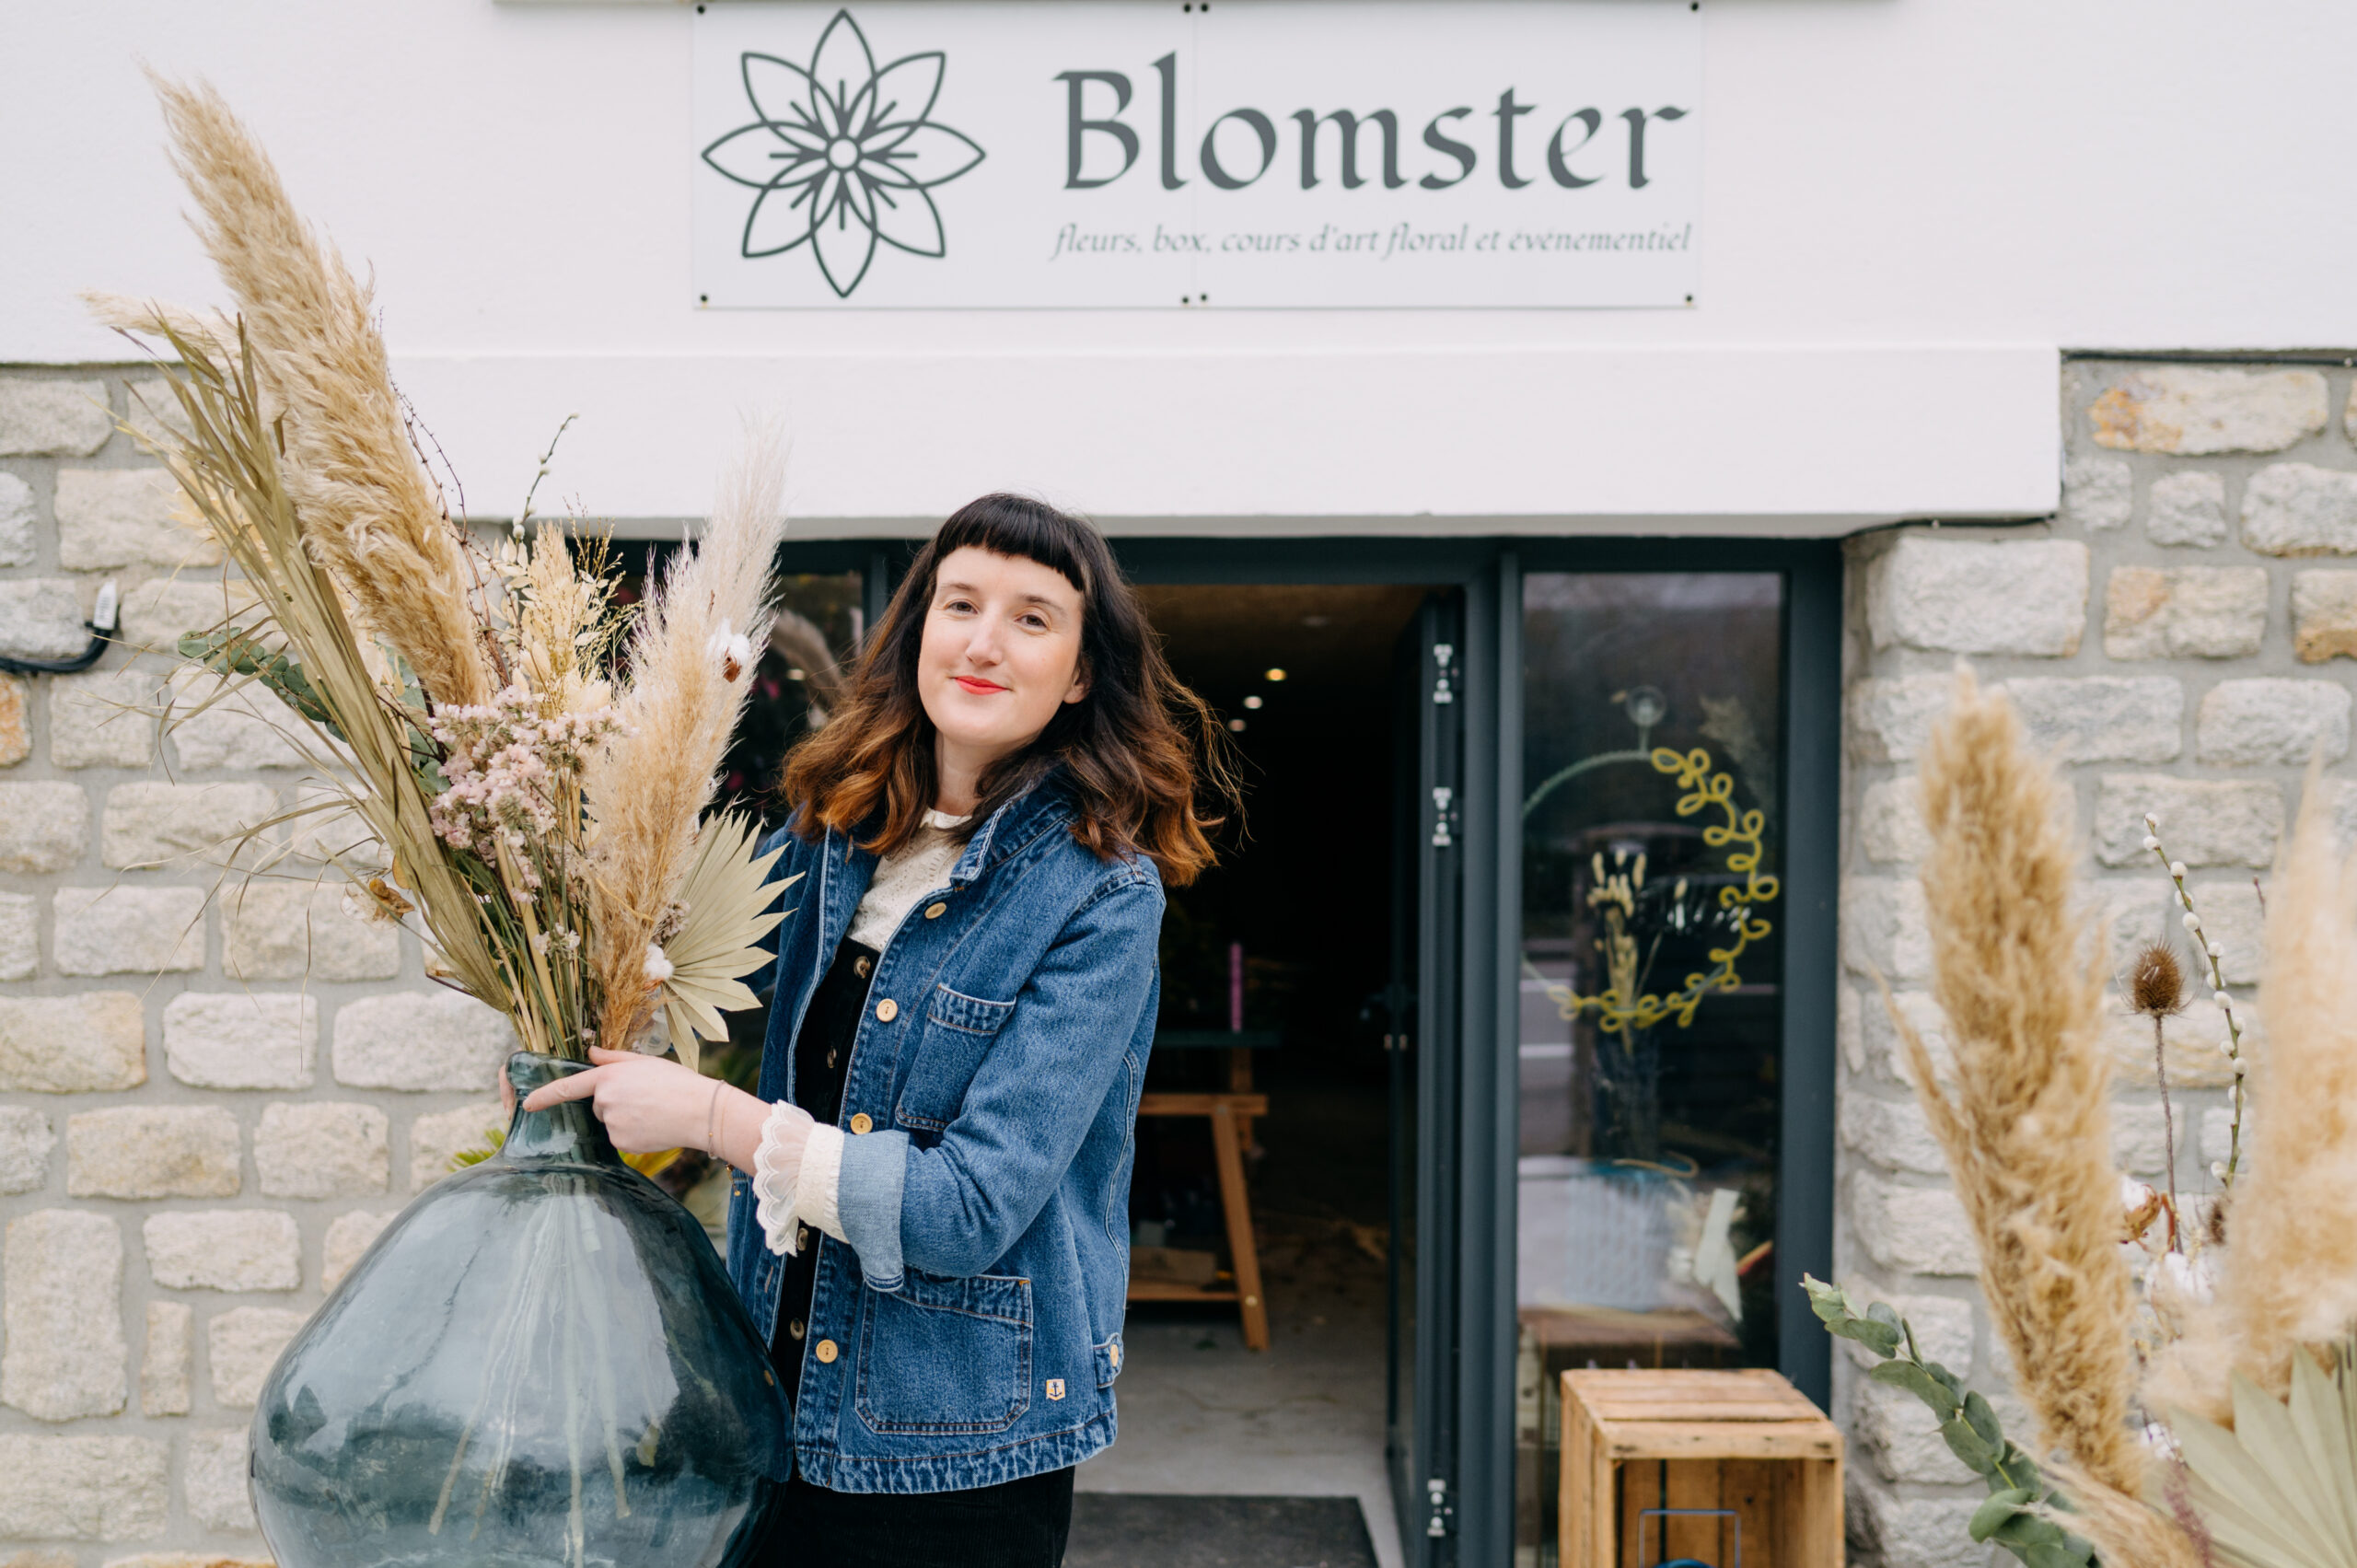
886 1010
826 1351
862 1123
934 911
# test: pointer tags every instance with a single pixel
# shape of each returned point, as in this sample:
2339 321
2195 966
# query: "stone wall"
209 1103
2180 636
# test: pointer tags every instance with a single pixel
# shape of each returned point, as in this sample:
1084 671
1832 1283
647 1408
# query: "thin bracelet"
711 1112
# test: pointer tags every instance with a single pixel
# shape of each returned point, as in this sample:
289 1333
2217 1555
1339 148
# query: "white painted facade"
1911 206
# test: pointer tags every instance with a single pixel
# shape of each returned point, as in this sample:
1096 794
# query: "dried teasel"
2156 991
2156 983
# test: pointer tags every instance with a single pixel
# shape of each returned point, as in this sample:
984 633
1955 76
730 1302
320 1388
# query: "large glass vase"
540 1364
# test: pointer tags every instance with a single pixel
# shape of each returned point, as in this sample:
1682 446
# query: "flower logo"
844 154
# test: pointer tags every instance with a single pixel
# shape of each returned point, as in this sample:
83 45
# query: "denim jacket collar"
1045 805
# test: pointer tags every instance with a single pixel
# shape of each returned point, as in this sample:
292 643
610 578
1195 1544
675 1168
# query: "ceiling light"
1235 724
1317 623
1252 701
1272 675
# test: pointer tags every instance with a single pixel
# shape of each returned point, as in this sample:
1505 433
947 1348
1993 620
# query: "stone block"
1884 929
16 722
19 936
42 618
2187 508
1966 596
420 1040
1915 1230
2232 918
2191 410
152 823
2184 611
122 930
2102 718
52 419
1884 1044
1893 1134
84 1488
242 1344
17 512
349 1238
110 517
2324 615
302 931
102 719
2204 821
241 1039
2218 1135
2133 912
1890 718
232 1250
1904 1437
43 826
217 724
321 1150
2300 509
434 1139
26 1141
333 833
2195 1039
2139 1139
2272 722
2098 493
61 1296
86 1043
1890 821
152 1151
186 1560
157 613
167 1366
1918 1532
213 1478
154 413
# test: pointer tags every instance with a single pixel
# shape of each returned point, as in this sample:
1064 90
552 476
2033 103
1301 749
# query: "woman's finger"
580 1085
601 1055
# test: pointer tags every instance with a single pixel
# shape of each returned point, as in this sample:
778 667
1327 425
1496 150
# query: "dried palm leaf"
725 906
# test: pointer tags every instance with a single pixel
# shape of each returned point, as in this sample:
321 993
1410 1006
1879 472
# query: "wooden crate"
1746 1441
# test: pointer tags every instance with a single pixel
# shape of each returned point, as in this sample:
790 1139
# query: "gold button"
862 1123
886 1010
934 911
827 1351
1116 1354
860 967
795 1328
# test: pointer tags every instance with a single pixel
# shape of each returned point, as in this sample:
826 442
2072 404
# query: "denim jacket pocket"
1108 1361
958 1029
945 1355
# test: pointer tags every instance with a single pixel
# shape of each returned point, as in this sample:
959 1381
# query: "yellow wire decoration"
1616 1010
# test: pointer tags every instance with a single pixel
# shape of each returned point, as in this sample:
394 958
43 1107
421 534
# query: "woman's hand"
650 1104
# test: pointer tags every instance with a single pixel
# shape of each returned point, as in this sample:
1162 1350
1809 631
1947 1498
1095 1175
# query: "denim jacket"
970 1331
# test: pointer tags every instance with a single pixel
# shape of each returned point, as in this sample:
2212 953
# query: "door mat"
1130 1529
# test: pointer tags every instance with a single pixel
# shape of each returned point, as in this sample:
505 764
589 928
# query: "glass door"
1650 1038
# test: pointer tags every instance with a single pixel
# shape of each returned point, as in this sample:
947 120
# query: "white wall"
1909 205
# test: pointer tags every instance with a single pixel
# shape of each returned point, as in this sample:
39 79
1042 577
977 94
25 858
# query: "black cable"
100 626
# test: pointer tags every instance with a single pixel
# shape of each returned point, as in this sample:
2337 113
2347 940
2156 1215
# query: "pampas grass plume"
645 790
2028 1126
369 513
2290 1275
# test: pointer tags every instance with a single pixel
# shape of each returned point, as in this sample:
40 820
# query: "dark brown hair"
1146 764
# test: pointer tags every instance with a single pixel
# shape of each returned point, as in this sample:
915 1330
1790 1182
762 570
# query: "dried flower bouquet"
531 761
2214 1421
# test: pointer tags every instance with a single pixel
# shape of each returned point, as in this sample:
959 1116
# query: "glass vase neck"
568 1133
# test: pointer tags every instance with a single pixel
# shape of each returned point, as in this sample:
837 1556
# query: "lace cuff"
823 1164
777 1170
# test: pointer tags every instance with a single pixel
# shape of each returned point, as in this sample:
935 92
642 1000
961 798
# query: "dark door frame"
1466 1422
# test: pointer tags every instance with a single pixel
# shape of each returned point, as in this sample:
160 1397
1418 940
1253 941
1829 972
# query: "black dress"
1018 1523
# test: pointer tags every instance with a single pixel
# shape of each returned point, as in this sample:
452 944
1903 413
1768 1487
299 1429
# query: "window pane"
1651 960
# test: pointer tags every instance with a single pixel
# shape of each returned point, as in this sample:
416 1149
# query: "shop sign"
1289 153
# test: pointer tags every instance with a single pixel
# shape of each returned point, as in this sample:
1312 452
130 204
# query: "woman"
930 1217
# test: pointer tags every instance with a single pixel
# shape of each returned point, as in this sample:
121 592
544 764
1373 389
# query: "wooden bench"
1229 1114
1660 1465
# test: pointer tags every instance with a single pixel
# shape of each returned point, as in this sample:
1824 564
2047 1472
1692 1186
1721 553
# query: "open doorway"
1286 975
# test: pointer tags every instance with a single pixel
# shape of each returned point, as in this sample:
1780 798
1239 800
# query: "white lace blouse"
790 1193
